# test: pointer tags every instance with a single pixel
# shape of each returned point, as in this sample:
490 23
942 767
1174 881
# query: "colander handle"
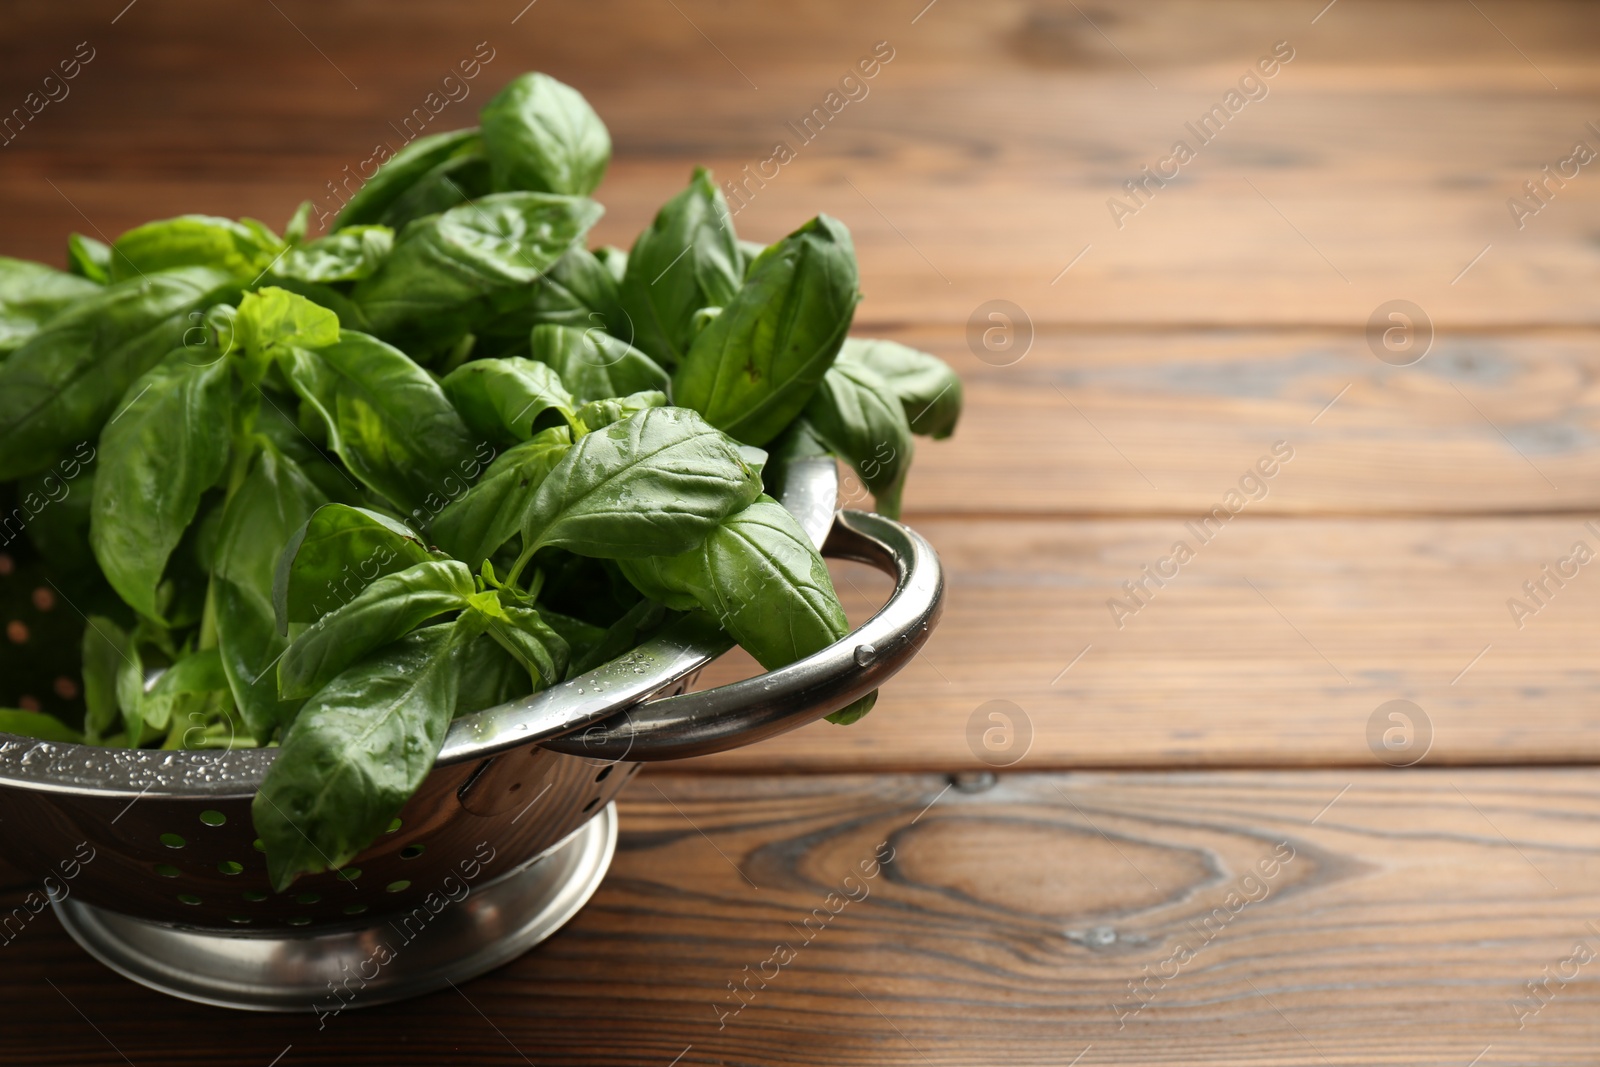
741 713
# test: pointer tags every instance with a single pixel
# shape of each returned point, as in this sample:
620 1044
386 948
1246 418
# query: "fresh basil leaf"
749 252
385 611
294 231
276 420
37 724
130 693
60 531
477 524
543 136
401 171
654 484
591 289
64 383
197 672
272 319
356 753
345 255
519 629
928 389
385 417
595 365
855 712
580 636
462 177
687 260
165 448
450 271
351 317
31 294
89 258
490 676
577 291
597 414
242 249
614 260
756 365
105 648
798 442
762 579
859 416
631 630
333 556
274 501
509 400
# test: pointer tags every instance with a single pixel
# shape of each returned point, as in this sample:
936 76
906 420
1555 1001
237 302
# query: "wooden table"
1105 897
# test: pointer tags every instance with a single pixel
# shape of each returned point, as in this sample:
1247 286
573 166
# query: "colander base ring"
327 973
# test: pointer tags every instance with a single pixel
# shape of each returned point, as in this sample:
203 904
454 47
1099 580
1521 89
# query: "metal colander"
152 863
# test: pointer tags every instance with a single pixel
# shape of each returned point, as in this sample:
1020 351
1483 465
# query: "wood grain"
1408 913
978 166
1092 423
1273 646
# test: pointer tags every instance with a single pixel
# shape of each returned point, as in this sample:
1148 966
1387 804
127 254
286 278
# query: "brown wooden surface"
1005 930
1227 315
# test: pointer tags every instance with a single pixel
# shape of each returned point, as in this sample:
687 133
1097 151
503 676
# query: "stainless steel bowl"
150 859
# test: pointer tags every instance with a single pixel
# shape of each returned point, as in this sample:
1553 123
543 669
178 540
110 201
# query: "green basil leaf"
478 523
272 319
198 672
596 365
294 231
130 693
798 442
385 417
105 648
462 177
383 612
31 294
762 579
490 676
519 629
859 416
401 171
58 501
601 413
614 260
38 725
242 249
89 258
345 255
60 387
749 252
756 365
928 389
274 501
356 753
543 136
447 271
577 291
687 260
509 400
635 626
653 484
336 554
166 447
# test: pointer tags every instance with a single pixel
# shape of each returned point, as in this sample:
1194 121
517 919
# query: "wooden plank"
1275 645
1137 422
982 157
1330 918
